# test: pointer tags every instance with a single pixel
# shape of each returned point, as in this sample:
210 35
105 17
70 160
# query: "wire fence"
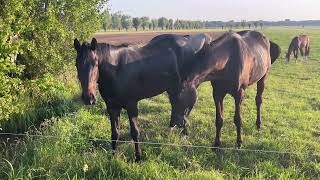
164 144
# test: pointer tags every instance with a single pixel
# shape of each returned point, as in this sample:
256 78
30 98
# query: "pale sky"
273 10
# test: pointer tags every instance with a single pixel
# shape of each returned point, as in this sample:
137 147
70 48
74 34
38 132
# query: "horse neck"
290 49
109 58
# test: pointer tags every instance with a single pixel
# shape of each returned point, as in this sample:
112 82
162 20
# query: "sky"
272 10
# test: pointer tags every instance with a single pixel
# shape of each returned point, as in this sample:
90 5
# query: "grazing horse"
301 43
232 63
126 75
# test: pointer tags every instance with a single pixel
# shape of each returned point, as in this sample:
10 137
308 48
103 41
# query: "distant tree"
145 22
154 23
243 23
249 25
150 25
261 24
106 20
255 23
136 22
126 22
162 22
177 24
170 24
230 24
116 21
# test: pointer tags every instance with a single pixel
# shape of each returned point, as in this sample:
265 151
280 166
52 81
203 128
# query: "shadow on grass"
32 118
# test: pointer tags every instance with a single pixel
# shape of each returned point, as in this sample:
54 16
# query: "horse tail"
275 51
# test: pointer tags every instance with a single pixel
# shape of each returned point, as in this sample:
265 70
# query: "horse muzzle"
178 120
89 99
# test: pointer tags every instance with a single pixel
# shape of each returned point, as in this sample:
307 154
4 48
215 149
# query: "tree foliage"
136 22
145 21
106 20
126 22
36 38
162 22
116 21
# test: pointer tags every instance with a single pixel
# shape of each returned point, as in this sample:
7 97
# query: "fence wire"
164 144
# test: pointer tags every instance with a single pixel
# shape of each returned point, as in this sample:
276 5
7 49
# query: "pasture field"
290 123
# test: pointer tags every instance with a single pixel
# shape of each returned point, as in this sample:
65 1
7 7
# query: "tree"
150 25
116 21
162 22
136 22
170 24
154 23
145 21
255 23
106 20
126 22
177 24
261 24
243 23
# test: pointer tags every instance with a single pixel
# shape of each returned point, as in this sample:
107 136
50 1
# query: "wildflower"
85 168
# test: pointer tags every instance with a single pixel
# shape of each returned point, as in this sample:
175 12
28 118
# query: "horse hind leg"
260 89
237 116
307 52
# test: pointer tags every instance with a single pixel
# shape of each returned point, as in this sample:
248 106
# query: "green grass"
290 122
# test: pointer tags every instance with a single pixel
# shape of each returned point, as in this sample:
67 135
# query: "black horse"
126 75
232 63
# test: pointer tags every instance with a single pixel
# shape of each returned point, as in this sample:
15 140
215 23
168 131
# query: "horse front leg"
114 115
260 89
218 97
295 53
237 116
132 110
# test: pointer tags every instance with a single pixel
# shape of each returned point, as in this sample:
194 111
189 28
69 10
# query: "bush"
36 38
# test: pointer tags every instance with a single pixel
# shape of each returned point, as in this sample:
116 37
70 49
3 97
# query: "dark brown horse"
301 43
126 75
232 63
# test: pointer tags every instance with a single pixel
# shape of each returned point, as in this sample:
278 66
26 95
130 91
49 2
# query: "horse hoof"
171 129
239 145
258 126
138 159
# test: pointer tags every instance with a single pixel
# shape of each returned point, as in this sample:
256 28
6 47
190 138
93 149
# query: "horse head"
182 105
87 68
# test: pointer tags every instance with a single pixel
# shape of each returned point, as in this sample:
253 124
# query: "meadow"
72 146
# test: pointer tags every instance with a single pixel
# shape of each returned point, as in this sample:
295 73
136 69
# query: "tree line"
118 21
234 24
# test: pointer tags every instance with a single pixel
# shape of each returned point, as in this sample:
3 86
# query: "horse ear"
94 44
76 44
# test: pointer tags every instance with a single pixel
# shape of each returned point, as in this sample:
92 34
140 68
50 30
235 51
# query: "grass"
290 117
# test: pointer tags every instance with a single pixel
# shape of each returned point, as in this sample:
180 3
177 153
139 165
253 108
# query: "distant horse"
232 63
127 74
301 43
